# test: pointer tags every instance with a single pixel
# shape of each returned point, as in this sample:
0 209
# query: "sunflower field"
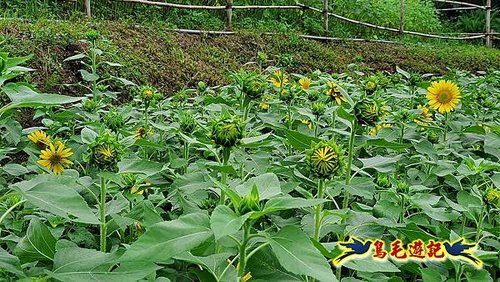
276 176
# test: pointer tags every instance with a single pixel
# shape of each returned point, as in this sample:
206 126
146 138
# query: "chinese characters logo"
416 250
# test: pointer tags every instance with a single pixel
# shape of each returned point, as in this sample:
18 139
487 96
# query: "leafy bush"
474 21
420 15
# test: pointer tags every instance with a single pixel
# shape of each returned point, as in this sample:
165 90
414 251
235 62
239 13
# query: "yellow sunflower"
135 190
443 95
334 93
305 83
425 116
279 78
106 152
55 159
374 131
307 122
246 277
40 138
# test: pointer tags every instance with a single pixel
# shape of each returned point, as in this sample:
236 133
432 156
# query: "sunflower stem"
445 127
243 251
226 152
349 164
186 155
102 215
401 137
317 217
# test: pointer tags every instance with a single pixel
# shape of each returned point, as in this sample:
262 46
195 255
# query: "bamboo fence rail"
229 7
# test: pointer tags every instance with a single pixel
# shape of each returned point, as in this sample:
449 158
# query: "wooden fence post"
488 24
401 17
229 14
325 15
87 8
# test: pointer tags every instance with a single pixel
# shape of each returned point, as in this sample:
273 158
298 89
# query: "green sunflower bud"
432 136
202 86
318 108
492 196
227 132
262 57
255 88
91 105
325 159
368 111
114 120
148 93
209 204
92 35
187 122
403 186
250 202
371 84
105 152
286 95
383 181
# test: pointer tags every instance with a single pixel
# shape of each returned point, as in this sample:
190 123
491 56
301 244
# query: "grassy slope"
171 61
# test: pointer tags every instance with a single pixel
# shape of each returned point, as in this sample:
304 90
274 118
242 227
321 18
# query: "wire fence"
489 35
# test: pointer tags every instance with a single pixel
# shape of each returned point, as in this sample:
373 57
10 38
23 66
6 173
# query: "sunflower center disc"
444 97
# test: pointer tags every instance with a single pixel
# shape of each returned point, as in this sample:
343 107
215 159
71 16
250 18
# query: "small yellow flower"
135 190
334 93
264 106
279 78
141 132
443 96
55 159
40 138
305 83
370 85
374 131
106 152
307 122
247 277
425 116
148 93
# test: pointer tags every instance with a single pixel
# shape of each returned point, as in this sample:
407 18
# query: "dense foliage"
256 180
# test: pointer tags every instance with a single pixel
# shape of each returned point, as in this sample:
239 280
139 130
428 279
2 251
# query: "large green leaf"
37 244
286 203
29 98
167 239
300 141
297 254
139 166
74 264
379 163
225 222
370 265
10 263
215 264
267 184
55 194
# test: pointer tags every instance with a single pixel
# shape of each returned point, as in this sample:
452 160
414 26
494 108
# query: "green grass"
171 61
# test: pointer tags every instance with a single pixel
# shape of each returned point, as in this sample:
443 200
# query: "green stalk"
94 64
10 209
402 133
226 152
243 252
480 223
102 216
317 217
186 154
349 165
445 127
